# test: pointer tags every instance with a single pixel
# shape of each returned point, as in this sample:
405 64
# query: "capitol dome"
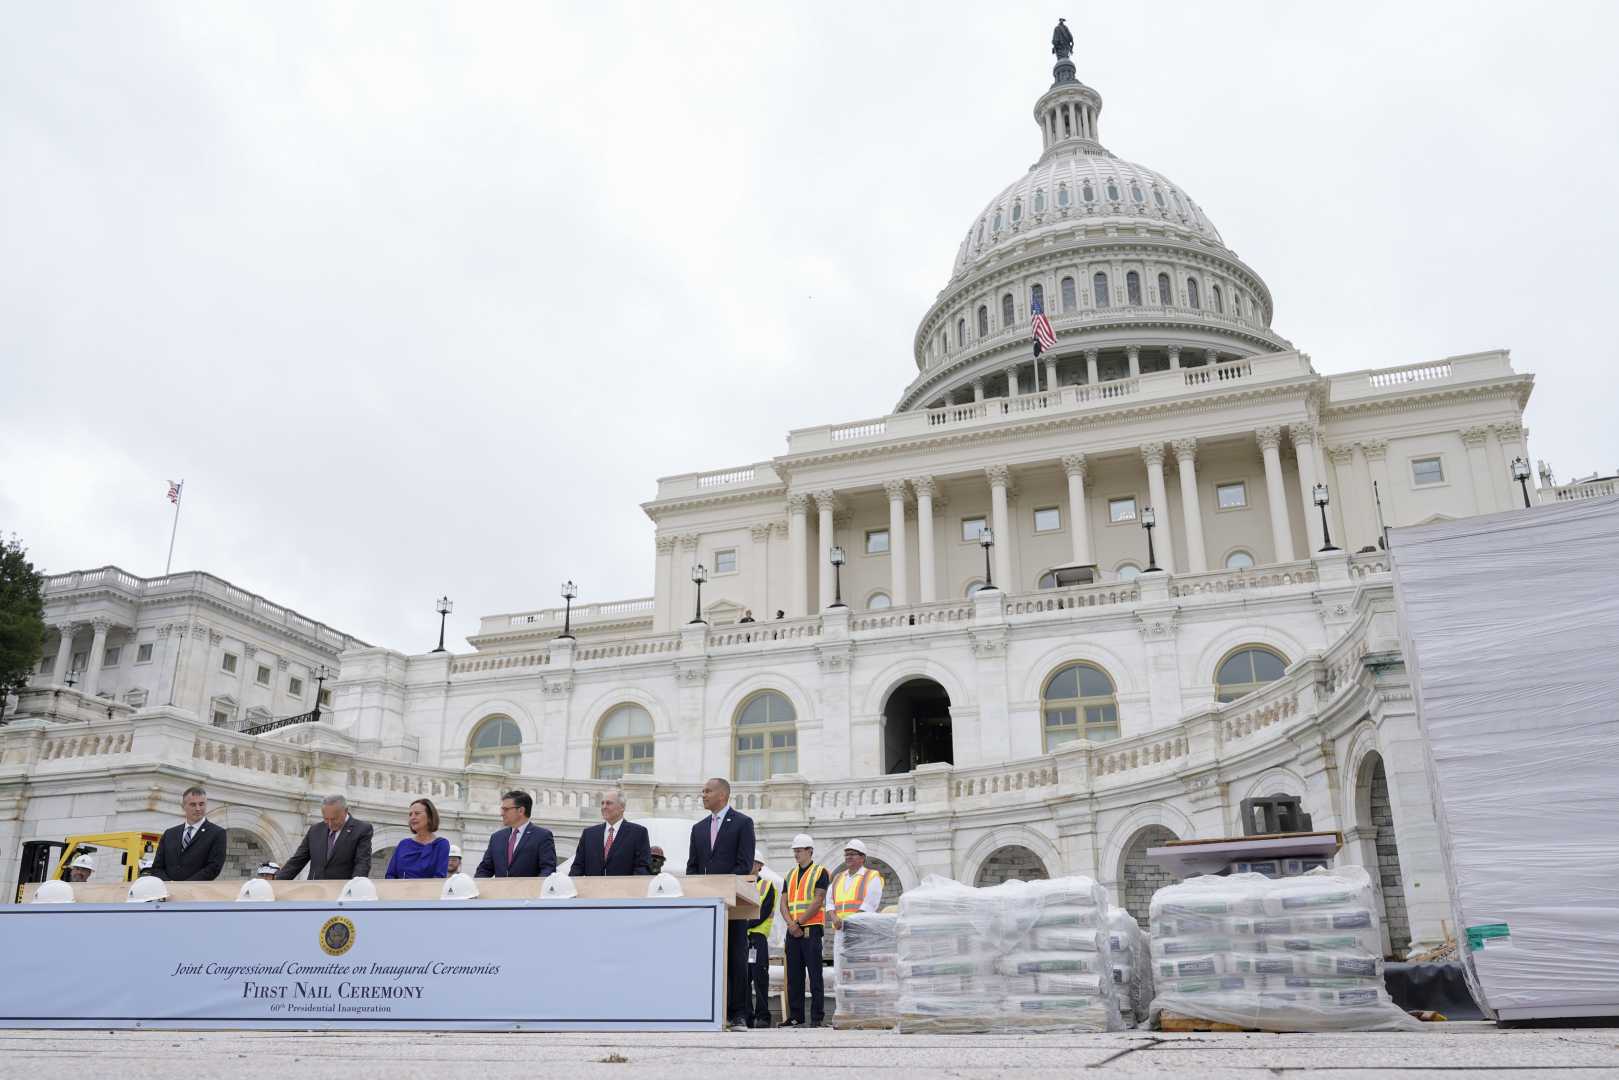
1131 273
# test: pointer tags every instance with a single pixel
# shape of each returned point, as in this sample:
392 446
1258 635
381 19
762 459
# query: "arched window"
1191 293
1017 211
973 587
1099 289
1245 670
1127 571
1239 560
983 321
1219 301
1048 580
496 741
1079 702
879 601
1087 192
961 332
624 743
1179 208
996 228
1136 193
1006 311
1069 299
766 738
1112 190
1040 201
980 232
1037 295
1062 195
1158 197
1166 295
1132 287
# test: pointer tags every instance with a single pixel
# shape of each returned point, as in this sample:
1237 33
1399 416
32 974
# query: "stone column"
1153 455
665 584
1382 491
1343 497
688 559
759 570
1478 462
1079 518
98 652
1174 355
1281 530
1512 439
1051 375
1197 559
999 479
927 577
1011 381
1091 375
1133 352
898 567
826 504
978 389
798 554
1304 449
1210 356
64 652
1364 496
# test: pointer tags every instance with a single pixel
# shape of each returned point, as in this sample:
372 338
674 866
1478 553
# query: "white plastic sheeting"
1289 954
1132 966
866 958
1510 627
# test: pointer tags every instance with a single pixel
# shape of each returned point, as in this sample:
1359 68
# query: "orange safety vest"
801 894
849 891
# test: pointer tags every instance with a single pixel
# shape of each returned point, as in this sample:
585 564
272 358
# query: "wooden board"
1168 1021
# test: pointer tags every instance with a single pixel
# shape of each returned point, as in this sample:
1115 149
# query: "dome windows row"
1108 194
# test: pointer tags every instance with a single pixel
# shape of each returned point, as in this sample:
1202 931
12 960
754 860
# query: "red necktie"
607 845
511 849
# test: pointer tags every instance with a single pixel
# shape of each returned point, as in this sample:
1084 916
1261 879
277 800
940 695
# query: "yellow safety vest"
765 889
801 894
849 891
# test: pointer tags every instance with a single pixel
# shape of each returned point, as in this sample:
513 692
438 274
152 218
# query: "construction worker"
455 861
857 887
81 868
268 871
759 943
656 861
805 892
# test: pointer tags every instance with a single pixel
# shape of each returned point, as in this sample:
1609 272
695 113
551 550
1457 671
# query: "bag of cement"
865 960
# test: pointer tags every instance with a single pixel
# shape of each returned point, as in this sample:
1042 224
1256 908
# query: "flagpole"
169 562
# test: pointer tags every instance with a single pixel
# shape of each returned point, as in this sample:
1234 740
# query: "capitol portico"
1052 701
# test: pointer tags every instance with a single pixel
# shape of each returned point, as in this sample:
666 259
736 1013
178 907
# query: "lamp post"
569 591
1520 473
1148 520
444 606
699 574
835 556
321 674
1322 497
986 540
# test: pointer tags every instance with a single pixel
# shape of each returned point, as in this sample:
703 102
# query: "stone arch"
1137 877
269 832
1078 652
383 841
453 752
1010 836
1009 862
893 882
245 851
1222 644
891 678
1377 827
1119 836
1279 780
730 708
589 720
916 727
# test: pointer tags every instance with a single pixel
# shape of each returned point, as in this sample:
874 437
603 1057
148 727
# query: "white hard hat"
257 890
665 884
459 887
559 887
268 868
803 840
855 845
759 854
145 889
146 863
358 889
54 892
86 861
455 852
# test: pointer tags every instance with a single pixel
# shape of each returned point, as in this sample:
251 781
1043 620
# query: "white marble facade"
1167 389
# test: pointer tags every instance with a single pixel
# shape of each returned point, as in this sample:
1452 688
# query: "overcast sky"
422 299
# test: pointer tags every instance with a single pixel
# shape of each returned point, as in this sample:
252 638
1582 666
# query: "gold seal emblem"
336 936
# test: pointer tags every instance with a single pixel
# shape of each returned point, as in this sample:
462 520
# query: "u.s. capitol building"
1083 708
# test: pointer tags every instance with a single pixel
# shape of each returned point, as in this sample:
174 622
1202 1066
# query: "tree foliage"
22 614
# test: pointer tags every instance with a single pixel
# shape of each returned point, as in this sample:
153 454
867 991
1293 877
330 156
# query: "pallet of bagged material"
863 1023
1169 1021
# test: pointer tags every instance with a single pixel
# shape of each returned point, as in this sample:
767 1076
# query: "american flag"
174 491
1043 337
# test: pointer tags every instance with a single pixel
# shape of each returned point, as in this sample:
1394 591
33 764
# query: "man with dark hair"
338 848
193 850
722 843
522 848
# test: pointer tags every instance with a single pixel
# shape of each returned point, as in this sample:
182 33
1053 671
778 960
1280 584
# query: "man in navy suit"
722 843
615 848
193 850
522 848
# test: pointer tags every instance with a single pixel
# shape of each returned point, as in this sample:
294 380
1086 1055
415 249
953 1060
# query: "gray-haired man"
337 849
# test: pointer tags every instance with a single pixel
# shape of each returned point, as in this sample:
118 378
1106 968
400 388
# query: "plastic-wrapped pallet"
1292 954
866 958
1132 967
1020 956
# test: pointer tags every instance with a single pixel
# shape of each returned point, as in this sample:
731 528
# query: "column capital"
1302 433
1185 449
1509 430
1211 355
281 663
1092 354
665 543
781 526
1174 350
759 531
101 624
1074 465
1341 455
924 485
1152 454
1475 436
1375 449
1269 436
68 628
826 500
1132 350
214 637
999 475
798 503
894 489
689 541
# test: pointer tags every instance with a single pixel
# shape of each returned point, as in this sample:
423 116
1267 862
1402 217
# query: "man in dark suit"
522 848
193 850
615 848
337 849
722 843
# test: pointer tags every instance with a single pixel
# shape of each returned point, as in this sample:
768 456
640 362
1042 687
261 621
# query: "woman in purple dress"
424 854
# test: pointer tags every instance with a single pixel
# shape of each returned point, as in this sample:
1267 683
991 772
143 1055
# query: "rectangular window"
326 697
227 663
110 657
262 676
295 686
1231 496
1047 519
143 653
876 541
78 661
1121 509
221 718
971 529
725 561
44 664
1428 470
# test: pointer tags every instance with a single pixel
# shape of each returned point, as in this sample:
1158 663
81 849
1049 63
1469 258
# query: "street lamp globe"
1322 497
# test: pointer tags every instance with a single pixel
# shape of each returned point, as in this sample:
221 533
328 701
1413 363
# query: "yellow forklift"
47 860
